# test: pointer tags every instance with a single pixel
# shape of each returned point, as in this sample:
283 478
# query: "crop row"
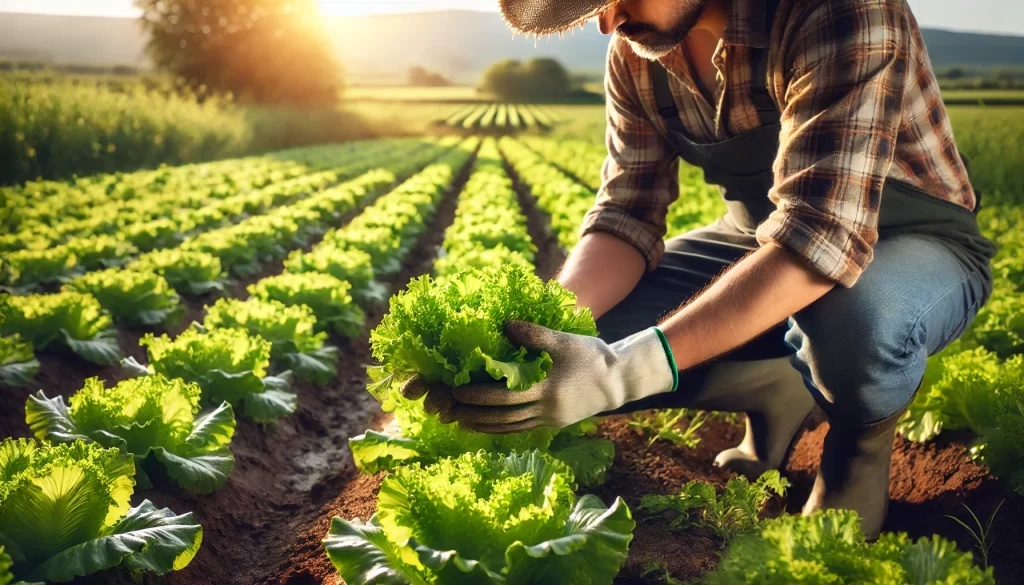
499 117
140 221
180 409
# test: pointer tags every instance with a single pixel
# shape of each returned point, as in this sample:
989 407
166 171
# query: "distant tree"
420 77
535 79
953 73
264 51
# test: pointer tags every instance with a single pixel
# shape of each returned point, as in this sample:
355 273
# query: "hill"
377 49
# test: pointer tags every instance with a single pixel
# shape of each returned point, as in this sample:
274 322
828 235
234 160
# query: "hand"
587 377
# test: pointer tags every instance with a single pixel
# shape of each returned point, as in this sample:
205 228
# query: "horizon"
984 16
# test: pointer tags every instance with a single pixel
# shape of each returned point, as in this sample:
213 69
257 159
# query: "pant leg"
691 262
862 350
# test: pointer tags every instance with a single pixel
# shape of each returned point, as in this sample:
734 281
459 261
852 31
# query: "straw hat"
550 16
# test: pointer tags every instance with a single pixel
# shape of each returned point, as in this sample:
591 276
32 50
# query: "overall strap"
767 111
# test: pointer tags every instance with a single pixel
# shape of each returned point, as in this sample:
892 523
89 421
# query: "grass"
400 93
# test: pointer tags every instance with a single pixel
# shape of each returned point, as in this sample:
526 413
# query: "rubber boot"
772 394
854 472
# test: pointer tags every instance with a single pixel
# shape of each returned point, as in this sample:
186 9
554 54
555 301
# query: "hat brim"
550 16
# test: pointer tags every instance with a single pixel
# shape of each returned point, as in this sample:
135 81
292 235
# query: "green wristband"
671 358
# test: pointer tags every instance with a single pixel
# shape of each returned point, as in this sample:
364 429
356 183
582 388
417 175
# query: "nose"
610 19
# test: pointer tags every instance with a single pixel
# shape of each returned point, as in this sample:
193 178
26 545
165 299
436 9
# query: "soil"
266 525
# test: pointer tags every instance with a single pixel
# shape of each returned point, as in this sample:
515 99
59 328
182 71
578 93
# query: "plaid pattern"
859 103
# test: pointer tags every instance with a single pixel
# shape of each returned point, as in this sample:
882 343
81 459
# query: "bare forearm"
760 291
602 270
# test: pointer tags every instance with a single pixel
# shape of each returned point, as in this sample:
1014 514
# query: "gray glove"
587 377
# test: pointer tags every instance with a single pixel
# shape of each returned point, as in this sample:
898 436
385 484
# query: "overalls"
861 350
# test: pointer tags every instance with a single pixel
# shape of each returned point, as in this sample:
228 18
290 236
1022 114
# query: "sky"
996 16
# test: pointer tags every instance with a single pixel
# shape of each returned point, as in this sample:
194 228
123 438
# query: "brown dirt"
550 255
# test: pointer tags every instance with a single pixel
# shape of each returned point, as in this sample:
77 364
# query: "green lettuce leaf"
18 364
73 320
132 297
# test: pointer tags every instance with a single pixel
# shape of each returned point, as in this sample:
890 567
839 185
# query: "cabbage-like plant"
296 346
189 273
101 251
153 235
829 547
28 270
132 297
324 294
68 319
145 416
229 365
18 362
452 334
65 513
485 519
348 264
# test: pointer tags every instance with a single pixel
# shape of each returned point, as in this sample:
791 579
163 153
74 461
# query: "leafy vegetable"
829 547
735 512
452 334
27 270
144 416
324 294
348 264
131 297
65 513
18 363
229 365
483 518
101 251
190 273
5 567
290 329
67 319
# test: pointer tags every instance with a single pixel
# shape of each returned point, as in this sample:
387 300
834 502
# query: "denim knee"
856 361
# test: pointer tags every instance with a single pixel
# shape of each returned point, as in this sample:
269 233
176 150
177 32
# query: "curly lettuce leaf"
327 297
18 363
73 320
829 547
483 519
145 416
131 297
188 272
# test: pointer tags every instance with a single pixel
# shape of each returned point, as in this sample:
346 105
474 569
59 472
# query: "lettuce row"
27 271
489 227
132 298
228 365
291 331
483 518
829 547
65 513
146 416
101 251
346 264
18 364
189 273
324 295
71 320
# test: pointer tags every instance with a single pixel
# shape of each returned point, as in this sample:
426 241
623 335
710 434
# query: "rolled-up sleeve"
845 71
640 175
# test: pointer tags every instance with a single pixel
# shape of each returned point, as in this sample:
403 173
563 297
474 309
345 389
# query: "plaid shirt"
859 103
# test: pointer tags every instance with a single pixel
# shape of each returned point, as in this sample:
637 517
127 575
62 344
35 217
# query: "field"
287 261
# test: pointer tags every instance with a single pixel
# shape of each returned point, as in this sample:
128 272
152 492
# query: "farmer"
849 253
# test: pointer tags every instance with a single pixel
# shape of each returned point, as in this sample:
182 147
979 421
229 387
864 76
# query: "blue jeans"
862 350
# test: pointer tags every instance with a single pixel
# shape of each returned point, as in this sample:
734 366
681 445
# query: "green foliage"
101 251
190 273
18 364
291 330
735 512
537 79
229 365
662 424
131 297
27 270
65 513
64 320
483 518
344 263
216 43
326 296
144 416
828 547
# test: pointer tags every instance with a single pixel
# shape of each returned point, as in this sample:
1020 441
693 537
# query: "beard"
651 42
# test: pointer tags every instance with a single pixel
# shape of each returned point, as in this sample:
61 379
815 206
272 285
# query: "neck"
713 19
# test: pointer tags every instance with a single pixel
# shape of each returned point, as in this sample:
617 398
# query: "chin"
650 53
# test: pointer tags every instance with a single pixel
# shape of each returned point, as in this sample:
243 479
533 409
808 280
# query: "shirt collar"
747 24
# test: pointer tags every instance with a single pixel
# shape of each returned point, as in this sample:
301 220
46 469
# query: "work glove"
587 377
